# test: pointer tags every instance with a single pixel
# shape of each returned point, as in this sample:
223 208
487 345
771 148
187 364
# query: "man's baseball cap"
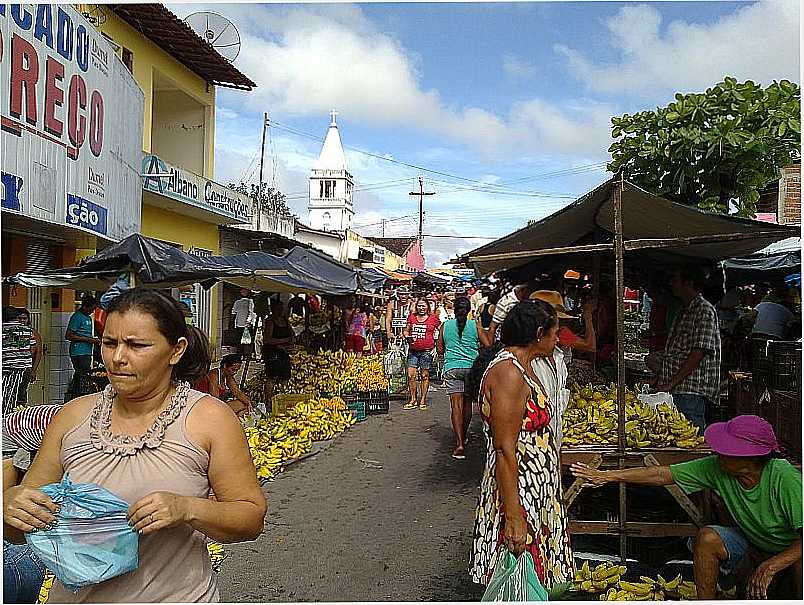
742 436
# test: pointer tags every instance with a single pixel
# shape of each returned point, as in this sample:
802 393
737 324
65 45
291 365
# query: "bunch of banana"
327 372
676 589
275 441
597 579
216 555
47 584
591 419
647 589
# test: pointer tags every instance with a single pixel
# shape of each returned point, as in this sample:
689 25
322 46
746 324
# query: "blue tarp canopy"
776 261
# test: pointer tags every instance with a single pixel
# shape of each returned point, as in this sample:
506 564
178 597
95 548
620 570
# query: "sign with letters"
71 123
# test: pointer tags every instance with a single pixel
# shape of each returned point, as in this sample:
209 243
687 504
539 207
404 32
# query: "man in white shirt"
243 311
507 302
552 373
773 318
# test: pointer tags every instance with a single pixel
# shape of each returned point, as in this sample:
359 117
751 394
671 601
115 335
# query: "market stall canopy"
777 261
652 227
300 270
429 280
372 279
154 264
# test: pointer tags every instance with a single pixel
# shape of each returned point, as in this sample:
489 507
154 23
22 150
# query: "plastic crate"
786 358
787 424
356 404
761 362
284 401
742 398
377 402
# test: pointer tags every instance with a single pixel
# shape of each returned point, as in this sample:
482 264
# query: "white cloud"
308 59
516 67
759 41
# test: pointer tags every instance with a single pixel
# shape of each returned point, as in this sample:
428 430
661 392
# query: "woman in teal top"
460 339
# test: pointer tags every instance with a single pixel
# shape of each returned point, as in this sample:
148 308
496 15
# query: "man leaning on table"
761 492
690 365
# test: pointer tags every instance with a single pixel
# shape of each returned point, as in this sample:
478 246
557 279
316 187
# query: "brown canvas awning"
653 227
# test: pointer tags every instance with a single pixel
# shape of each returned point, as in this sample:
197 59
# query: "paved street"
339 529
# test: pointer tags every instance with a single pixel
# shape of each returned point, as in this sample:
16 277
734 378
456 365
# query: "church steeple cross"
333 114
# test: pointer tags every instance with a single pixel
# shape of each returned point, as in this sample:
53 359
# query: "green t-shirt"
769 514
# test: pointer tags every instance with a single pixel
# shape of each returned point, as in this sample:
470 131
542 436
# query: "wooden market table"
598 456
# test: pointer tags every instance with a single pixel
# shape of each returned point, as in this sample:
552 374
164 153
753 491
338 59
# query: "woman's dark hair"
518 330
169 318
10 314
524 320
471 384
493 297
231 359
462 307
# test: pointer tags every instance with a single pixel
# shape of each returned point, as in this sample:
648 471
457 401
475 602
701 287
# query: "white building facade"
331 186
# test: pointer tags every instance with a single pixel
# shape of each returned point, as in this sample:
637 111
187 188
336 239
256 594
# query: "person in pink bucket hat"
762 493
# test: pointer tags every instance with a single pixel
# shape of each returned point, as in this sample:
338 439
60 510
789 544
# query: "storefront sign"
71 122
182 185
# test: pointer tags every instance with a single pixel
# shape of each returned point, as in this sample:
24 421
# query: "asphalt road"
384 514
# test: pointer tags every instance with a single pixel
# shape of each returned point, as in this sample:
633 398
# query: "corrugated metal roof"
178 39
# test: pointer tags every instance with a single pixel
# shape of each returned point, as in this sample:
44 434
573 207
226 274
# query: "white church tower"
330 203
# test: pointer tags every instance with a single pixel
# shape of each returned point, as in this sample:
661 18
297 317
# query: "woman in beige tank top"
157 444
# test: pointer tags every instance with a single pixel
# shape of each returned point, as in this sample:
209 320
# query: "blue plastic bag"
92 541
515 580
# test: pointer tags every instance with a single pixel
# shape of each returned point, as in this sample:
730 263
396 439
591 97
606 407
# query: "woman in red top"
420 334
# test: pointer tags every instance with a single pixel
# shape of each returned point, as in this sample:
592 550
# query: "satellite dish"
218 31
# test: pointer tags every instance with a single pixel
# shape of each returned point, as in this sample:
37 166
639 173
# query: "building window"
128 59
328 189
321 189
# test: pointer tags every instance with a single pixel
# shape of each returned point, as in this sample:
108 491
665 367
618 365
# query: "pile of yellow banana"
606 579
648 589
326 373
47 584
275 441
591 419
597 579
216 555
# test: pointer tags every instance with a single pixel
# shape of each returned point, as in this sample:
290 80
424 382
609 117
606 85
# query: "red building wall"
414 258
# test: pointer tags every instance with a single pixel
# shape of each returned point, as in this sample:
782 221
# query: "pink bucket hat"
742 436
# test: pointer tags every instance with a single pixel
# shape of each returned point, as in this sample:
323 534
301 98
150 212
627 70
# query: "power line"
460 236
387 220
380 157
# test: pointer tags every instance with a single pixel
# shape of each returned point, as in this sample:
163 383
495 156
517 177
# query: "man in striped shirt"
23 431
19 351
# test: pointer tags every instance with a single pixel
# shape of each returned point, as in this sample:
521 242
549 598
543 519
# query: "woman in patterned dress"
520 504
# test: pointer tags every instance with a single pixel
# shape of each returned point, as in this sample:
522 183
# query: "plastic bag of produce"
515 579
394 361
91 541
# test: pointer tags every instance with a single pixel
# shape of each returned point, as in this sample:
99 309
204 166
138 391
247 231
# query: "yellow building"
178 73
366 253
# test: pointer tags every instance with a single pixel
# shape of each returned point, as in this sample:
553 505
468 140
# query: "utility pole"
262 161
421 193
383 227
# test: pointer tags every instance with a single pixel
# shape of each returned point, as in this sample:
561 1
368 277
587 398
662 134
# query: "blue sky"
512 100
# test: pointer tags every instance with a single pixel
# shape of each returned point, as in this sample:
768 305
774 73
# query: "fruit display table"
603 457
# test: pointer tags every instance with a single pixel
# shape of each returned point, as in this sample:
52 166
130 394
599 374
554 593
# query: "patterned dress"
539 481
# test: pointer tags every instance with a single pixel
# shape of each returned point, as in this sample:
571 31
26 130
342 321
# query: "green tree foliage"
710 149
272 200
